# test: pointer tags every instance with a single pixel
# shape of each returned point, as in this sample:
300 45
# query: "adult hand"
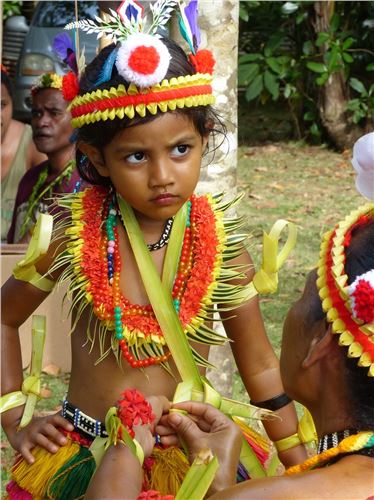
41 431
207 427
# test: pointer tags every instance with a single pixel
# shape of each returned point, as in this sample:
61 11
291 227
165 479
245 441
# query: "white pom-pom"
143 60
363 163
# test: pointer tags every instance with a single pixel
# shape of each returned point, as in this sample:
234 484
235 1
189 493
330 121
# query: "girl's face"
154 166
6 111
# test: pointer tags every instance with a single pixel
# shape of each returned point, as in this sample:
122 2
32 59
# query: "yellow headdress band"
184 91
350 308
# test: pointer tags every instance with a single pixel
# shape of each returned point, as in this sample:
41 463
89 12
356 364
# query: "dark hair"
359 260
204 118
7 82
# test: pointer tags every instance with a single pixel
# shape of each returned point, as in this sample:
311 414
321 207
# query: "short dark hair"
205 119
359 260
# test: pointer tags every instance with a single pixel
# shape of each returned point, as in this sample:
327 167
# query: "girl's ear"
95 157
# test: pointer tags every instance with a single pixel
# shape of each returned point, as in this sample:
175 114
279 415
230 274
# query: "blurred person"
18 153
52 131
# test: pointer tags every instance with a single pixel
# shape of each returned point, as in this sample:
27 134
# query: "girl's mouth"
164 199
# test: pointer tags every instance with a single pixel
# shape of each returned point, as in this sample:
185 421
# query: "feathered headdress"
142 59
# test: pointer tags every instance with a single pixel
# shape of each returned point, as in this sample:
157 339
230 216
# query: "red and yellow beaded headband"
142 59
350 308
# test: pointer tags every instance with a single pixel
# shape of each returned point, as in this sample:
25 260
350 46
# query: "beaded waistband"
86 425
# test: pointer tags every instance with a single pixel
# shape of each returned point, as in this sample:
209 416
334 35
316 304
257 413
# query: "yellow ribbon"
306 433
30 392
265 281
25 269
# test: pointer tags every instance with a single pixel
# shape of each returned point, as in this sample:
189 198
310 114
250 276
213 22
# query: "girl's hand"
144 434
41 431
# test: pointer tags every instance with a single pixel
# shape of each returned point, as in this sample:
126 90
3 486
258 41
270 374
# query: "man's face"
50 121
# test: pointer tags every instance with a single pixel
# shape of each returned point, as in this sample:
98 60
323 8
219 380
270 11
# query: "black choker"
164 240
332 440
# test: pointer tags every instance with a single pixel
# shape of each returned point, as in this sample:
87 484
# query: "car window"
58 14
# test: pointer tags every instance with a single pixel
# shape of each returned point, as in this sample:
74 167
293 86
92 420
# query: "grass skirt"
65 475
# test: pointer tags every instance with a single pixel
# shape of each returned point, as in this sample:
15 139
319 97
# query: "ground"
308 185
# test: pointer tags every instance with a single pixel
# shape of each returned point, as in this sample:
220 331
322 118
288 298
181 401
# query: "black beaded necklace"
164 239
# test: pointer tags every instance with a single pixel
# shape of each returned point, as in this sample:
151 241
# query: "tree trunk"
333 95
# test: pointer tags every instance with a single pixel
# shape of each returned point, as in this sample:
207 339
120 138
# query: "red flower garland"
94 265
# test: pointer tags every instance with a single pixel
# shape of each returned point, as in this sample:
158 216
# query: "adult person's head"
50 119
331 379
52 131
18 153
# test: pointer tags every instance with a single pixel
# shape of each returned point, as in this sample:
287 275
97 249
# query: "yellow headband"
184 91
350 308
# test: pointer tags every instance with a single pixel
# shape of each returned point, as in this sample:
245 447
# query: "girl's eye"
180 150
135 157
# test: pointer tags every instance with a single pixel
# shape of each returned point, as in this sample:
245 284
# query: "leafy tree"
315 56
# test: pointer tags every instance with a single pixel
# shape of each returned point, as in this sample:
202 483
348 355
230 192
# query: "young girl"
144 118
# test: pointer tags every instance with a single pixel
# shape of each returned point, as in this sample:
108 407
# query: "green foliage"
11 8
284 58
362 107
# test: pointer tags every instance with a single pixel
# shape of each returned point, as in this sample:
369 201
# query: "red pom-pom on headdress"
203 61
70 86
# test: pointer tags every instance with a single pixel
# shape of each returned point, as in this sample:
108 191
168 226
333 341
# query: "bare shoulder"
350 478
19 299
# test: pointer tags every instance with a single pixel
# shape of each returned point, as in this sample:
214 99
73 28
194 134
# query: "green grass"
310 186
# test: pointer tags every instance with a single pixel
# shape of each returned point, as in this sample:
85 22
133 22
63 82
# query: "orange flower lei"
199 265
347 445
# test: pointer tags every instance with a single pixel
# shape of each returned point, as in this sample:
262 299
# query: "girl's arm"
19 300
259 366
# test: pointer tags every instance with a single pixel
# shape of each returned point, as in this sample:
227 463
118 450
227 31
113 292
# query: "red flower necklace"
100 265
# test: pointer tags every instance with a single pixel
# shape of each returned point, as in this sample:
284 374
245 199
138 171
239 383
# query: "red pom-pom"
144 60
364 301
203 61
70 86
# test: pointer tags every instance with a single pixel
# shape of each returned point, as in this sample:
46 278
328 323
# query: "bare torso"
94 388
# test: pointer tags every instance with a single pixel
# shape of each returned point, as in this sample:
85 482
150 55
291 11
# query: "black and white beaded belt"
83 423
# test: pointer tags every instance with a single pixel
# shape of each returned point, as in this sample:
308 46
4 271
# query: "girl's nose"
161 173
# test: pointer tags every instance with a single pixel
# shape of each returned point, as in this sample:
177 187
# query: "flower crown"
350 308
47 81
142 59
